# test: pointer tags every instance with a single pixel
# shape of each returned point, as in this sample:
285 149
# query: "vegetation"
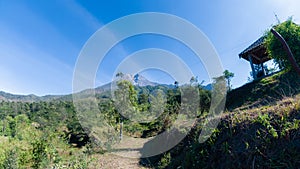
49 135
265 137
228 76
39 135
260 128
256 136
291 33
266 91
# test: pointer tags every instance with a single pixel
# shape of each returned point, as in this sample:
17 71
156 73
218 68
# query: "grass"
260 129
266 91
264 137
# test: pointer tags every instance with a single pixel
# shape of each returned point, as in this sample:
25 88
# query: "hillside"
265 137
40 134
264 91
260 129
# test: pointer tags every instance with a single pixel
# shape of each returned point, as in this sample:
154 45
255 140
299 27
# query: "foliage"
265 137
38 152
35 135
164 162
291 33
126 99
11 160
228 76
264 91
50 134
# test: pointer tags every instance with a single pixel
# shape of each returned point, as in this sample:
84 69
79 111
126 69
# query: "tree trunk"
121 129
288 50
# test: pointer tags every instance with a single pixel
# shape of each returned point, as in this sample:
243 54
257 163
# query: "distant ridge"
104 90
208 87
26 98
137 80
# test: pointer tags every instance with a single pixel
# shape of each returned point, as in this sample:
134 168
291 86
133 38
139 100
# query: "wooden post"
262 68
3 126
252 66
121 128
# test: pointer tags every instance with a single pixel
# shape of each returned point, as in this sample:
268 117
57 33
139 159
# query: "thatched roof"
257 50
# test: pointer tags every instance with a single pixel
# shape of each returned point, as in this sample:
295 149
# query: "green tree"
205 99
126 102
119 74
11 160
10 126
291 33
157 105
39 152
126 99
176 83
194 80
219 91
228 76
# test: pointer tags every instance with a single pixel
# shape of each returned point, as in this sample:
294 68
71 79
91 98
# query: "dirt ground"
124 155
111 161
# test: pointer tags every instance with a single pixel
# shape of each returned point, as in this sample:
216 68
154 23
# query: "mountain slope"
101 91
26 98
260 130
264 91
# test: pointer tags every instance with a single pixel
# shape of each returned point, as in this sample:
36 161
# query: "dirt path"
130 147
124 155
111 161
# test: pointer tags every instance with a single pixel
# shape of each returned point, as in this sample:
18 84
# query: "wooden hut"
256 54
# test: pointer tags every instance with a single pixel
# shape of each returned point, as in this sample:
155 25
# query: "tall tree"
157 104
194 80
176 83
120 74
228 76
126 101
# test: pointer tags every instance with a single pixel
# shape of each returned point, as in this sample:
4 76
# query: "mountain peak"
137 80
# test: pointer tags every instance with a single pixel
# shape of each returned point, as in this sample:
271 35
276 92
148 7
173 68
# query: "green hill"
260 129
264 91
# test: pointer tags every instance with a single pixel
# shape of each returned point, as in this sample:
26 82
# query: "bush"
291 33
39 152
11 160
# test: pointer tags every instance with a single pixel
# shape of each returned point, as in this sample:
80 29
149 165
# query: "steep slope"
264 91
260 130
265 137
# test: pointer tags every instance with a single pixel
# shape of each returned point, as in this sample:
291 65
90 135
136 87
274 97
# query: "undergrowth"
261 135
265 91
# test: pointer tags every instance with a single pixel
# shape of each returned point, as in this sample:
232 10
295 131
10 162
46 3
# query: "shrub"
291 33
11 160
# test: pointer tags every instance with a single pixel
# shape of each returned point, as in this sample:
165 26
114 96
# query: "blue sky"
41 40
